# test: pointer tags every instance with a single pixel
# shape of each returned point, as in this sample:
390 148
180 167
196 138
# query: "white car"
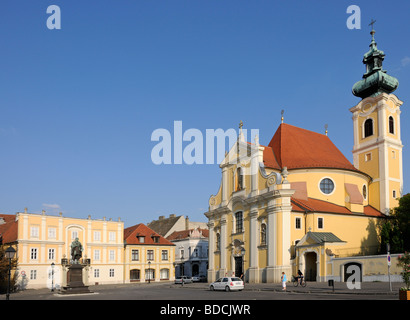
227 284
184 279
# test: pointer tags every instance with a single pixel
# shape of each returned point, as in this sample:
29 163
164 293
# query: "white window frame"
34 254
34 232
51 254
111 255
52 232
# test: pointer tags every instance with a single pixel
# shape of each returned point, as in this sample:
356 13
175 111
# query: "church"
299 204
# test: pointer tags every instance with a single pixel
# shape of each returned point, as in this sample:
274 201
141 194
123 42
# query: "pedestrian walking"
284 279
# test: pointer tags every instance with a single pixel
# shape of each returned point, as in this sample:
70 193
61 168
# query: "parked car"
196 279
184 279
227 284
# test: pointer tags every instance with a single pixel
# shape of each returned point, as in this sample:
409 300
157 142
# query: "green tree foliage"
395 230
4 269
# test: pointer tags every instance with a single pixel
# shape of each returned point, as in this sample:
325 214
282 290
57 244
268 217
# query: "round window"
327 186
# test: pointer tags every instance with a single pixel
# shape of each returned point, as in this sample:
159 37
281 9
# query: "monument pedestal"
75 281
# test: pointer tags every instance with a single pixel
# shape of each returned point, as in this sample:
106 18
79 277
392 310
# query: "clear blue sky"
78 105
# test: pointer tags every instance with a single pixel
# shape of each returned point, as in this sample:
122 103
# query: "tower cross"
372 23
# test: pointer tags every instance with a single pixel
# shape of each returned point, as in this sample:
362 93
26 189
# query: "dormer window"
155 239
141 239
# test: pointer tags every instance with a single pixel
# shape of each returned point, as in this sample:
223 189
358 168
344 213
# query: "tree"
395 229
4 269
401 215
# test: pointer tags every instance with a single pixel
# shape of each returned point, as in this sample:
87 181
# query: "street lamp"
149 271
10 252
52 277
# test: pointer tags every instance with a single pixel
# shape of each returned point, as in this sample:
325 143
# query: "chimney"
186 223
161 218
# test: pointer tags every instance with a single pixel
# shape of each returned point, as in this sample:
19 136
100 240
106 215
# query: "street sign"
388 260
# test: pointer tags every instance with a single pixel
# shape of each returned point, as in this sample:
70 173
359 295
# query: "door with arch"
310 266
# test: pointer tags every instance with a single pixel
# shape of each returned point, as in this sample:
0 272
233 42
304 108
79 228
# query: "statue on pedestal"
76 251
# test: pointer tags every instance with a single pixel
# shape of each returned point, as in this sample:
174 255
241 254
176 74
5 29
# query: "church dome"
375 80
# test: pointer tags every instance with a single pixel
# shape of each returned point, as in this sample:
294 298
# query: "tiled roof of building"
163 226
132 236
315 205
8 228
179 235
294 148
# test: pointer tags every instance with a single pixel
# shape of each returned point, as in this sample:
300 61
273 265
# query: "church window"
263 234
218 241
238 222
239 181
391 125
298 223
327 186
368 157
368 128
394 194
364 192
320 223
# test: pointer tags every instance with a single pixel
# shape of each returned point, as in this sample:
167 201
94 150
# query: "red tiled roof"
294 147
177 235
316 205
132 234
8 229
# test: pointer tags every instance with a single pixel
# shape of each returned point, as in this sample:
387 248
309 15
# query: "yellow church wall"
374 194
339 178
394 163
359 232
394 186
373 115
369 162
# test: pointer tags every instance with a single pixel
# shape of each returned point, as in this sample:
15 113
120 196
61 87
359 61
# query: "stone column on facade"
223 250
253 246
225 185
271 241
211 273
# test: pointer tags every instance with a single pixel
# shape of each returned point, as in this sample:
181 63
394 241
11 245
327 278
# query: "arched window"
364 192
218 241
135 275
391 125
263 234
368 128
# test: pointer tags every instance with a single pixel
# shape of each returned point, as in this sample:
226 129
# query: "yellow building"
148 256
42 240
299 204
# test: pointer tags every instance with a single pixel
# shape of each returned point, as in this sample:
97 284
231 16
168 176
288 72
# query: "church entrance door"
311 266
238 266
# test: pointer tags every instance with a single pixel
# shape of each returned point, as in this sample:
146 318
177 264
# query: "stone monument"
75 282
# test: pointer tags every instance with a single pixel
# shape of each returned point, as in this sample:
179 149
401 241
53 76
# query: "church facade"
298 203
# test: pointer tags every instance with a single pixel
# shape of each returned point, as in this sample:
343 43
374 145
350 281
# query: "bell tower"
377 148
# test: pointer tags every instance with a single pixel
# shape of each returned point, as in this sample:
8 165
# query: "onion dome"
375 80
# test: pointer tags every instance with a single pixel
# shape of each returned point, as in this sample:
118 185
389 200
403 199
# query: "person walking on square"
283 278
